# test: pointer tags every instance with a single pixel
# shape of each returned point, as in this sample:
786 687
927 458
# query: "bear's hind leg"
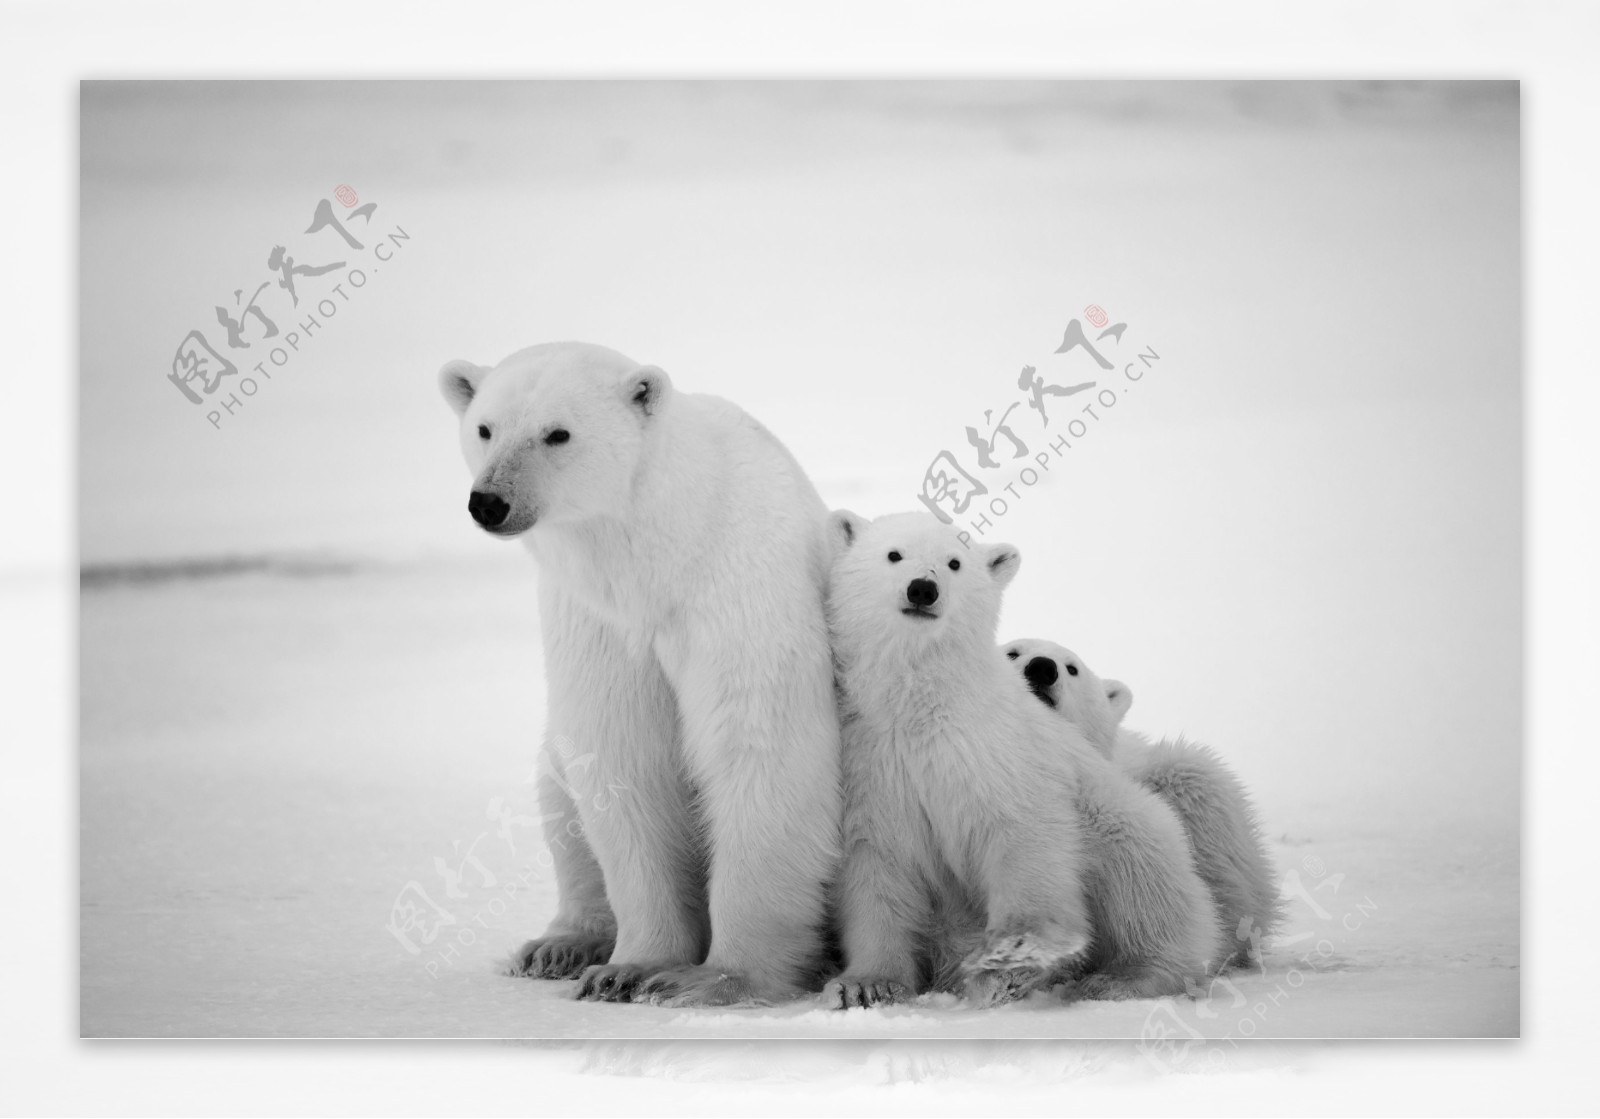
1156 923
1223 832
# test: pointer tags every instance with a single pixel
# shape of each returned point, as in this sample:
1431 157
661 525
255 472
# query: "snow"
269 759
1298 538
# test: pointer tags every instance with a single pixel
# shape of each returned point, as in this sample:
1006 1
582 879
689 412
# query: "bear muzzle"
921 594
499 517
490 510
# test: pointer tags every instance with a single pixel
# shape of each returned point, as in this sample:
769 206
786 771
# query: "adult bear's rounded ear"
459 381
1003 560
1121 697
646 387
845 527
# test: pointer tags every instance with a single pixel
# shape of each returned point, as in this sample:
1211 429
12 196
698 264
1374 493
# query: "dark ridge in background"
97 576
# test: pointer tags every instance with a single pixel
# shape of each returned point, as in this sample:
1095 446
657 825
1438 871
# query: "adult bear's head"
553 433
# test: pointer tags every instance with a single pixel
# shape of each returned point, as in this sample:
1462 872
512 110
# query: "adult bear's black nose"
1041 672
488 509
922 592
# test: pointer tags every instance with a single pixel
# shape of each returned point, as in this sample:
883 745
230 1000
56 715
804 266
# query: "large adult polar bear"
692 800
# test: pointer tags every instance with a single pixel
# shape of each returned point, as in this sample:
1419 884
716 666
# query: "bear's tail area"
1225 834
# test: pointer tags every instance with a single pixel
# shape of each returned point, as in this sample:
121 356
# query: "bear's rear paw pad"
699 986
848 991
559 957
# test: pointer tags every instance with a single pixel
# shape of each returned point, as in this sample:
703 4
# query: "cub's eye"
558 436
1072 670
483 431
894 557
1011 654
955 565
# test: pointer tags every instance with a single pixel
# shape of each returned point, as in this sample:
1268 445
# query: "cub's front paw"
993 988
1029 950
702 986
850 991
612 982
560 957
1012 963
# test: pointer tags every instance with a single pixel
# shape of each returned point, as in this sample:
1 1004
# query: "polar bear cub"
1061 681
983 849
1221 822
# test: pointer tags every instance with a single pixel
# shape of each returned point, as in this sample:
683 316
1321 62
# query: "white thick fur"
682 558
1218 816
984 847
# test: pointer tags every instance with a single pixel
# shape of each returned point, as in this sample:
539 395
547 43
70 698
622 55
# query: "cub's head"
553 433
909 580
1064 683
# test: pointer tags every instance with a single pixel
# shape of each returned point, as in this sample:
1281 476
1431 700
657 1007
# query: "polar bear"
978 851
1060 680
692 805
1224 831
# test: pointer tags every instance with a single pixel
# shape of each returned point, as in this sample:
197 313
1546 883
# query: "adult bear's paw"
560 957
849 991
701 986
613 982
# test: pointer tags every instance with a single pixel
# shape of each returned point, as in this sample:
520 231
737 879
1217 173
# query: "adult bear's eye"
1012 653
558 436
483 431
894 557
955 565
1072 670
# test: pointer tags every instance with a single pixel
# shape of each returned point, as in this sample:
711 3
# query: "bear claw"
845 993
559 957
610 982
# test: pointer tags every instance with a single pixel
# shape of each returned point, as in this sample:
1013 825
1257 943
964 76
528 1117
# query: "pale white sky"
1300 537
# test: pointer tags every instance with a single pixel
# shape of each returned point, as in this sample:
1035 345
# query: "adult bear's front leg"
762 741
584 931
613 738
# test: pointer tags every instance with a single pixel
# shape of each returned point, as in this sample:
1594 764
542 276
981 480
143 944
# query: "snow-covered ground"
310 693
270 759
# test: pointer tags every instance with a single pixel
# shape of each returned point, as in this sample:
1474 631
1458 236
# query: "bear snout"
922 592
1041 672
488 509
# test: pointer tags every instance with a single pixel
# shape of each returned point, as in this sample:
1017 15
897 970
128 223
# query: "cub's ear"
1002 560
646 387
459 381
1121 697
845 527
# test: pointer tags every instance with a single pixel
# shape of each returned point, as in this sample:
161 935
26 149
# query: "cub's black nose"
1041 672
487 509
922 592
